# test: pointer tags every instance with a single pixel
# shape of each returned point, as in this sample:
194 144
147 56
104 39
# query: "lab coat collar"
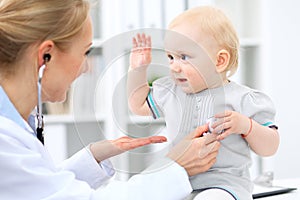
8 110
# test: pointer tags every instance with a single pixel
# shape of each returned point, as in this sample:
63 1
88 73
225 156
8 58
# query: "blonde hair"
214 22
26 22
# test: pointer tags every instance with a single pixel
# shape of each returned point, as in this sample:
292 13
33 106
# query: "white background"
280 75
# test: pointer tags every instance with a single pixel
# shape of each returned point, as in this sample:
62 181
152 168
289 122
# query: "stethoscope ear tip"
47 57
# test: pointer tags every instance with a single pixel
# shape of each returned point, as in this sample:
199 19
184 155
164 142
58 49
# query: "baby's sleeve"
259 107
158 95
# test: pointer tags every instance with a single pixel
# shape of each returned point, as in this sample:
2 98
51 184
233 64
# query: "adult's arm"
91 164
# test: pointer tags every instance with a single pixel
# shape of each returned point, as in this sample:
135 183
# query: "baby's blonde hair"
214 22
26 22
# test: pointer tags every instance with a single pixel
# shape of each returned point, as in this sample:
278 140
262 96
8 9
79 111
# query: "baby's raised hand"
141 51
230 122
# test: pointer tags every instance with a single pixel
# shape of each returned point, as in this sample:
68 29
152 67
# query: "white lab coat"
27 172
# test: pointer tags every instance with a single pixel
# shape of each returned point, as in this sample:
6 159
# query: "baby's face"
191 65
185 73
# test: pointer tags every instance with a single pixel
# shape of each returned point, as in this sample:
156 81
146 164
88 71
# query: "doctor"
43 48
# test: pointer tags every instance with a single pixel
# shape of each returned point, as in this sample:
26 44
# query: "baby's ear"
223 58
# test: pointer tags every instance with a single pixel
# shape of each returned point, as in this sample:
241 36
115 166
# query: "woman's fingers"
208 149
128 143
198 132
185 152
107 148
204 161
157 139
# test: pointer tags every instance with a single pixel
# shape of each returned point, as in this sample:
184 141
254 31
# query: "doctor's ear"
223 58
44 50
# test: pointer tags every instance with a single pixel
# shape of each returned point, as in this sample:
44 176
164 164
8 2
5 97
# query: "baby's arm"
137 84
263 140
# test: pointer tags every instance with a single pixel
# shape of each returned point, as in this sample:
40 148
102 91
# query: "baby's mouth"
181 80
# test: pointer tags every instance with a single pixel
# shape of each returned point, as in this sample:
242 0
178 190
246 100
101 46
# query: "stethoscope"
39 115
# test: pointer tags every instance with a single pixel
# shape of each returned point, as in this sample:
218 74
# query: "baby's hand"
230 122
141 51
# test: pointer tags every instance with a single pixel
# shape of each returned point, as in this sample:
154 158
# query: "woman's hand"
196 154
108 148
141 51
230 122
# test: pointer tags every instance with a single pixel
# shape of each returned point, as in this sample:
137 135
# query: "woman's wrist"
102 150
92 150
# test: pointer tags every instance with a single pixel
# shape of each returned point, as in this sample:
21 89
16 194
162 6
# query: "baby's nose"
175 67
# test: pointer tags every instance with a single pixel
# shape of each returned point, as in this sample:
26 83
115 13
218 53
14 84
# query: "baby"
202 47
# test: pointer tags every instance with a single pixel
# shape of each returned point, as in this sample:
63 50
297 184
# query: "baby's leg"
214 194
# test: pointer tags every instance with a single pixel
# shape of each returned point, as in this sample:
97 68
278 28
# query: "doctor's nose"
85 67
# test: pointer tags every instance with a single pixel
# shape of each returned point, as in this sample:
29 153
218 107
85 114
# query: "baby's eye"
184 57
170 57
